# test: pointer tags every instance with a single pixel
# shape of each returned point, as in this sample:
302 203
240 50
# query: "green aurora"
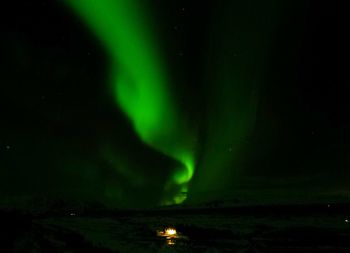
130 103
140 85
234 70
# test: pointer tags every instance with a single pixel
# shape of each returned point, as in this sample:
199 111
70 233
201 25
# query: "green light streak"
139 81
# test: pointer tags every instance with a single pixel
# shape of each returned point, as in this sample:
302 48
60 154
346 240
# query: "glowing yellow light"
170 242
170 235
170 232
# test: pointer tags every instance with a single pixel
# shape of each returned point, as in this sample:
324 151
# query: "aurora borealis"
144 103
140 83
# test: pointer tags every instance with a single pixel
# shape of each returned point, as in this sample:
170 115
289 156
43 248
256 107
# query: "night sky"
144 103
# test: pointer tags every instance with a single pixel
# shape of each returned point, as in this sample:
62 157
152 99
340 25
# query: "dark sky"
60 129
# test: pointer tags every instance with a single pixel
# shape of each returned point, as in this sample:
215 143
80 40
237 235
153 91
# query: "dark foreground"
302 228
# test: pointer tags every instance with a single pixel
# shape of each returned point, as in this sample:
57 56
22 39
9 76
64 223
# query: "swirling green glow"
139 81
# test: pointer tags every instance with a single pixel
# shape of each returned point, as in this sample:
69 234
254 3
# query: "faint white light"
346 220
